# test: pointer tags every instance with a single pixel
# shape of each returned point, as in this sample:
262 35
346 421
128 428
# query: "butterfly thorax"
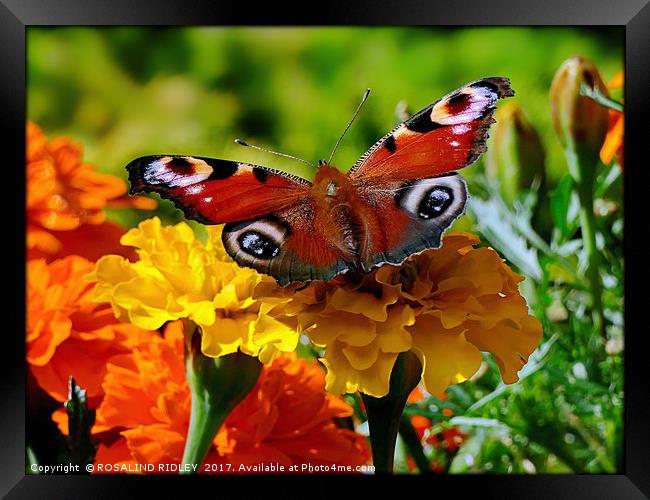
335 196
331 186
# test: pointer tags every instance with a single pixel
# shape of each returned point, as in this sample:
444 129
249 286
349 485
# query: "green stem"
585 188
204 424
384 413
413 444
587 221
217 385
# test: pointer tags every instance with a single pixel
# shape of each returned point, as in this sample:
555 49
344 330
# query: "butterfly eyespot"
258 245
435 202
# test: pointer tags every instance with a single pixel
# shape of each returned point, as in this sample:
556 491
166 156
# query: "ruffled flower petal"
67 334
287 418
177 276
447 357
446 304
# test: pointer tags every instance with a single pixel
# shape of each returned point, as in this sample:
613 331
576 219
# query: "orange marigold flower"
420 423
67 334
64 194
287 418
452 439
416 395
613 145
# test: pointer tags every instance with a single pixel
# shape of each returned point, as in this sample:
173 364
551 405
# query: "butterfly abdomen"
333 195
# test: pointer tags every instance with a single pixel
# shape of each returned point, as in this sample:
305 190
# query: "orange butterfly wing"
408 175
216 191
272 223
445 136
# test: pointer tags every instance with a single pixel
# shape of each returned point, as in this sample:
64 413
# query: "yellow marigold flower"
177 276
446 305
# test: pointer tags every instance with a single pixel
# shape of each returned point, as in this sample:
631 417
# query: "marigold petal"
41 349
613 140
139 202
146 301
352 329
200 311
617 80
342 378
446 356
392 335
154 443
362 303
44 241
510 343
117 453
270 331
109 271
226 335
361 358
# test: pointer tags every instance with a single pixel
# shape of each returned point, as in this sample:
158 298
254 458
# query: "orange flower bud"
516 156
580 122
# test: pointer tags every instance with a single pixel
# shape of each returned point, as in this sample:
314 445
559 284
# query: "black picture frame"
634 15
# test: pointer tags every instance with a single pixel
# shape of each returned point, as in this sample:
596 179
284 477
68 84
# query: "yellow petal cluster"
177 276
446 305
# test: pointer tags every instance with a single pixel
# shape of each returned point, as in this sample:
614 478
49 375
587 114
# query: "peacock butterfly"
396 200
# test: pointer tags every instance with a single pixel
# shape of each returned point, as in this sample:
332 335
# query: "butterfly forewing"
215 191
409 173
271 223
445 136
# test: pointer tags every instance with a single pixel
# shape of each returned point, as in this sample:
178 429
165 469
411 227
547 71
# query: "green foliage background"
130 91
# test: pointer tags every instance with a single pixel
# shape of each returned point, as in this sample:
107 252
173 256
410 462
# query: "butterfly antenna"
243 143
363 99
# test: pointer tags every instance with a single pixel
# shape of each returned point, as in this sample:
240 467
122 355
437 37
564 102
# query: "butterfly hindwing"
414 215
445 136
288 245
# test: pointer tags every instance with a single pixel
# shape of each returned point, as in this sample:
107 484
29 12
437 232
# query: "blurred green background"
129 91
125 92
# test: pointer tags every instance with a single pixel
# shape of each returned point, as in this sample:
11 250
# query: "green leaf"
600 98
31 461
560 200
495 223
536 361
80 422
491 424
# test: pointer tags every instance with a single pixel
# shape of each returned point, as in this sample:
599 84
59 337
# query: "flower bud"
516 156
580 122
